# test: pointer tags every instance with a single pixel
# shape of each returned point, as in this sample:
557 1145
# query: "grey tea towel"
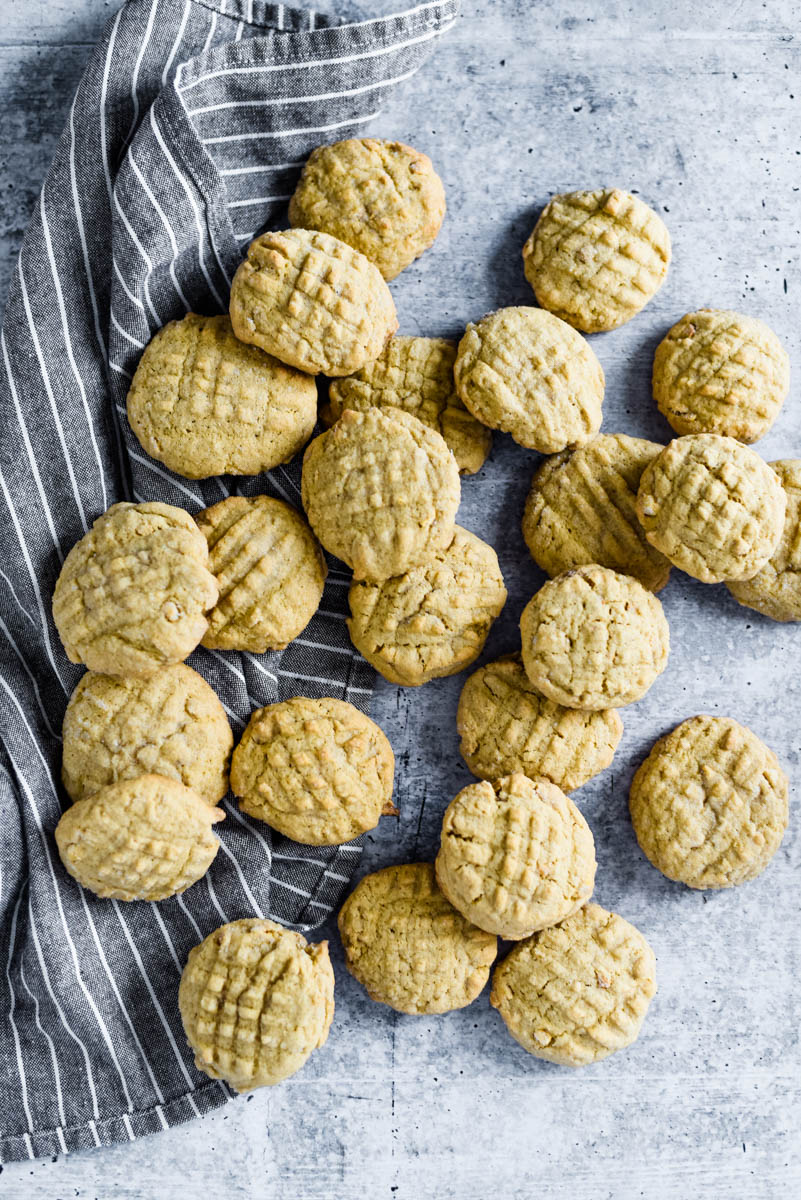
185 138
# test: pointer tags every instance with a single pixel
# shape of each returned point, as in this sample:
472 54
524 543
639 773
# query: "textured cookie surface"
515 856
312 302
594 639
416 374
712 506
204 403
170 724
506 726
382 198
140 839
434 619
318 771
134 592
381 491
270 571
775 590
582 508
596 258
718 371
526 372
579 991
255 999
409 947
709 804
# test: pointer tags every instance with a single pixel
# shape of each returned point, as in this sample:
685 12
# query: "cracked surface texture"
712 506
409 947
775 590
255 999
709 804
596 258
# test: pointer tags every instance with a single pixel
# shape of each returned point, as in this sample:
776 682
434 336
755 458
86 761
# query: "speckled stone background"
695 107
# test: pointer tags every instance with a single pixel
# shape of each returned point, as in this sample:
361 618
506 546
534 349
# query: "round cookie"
709 804
526 372
312 302
582 508
594 639
381 490
434 619
170 724
596 258
255 1000
133 593
383 198
718 371
712 506
204 403
318 771
775 590
577 992
139 839
270 571
506 726
409 947
515 856
416 374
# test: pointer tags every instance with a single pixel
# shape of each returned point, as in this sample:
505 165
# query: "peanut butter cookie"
775 590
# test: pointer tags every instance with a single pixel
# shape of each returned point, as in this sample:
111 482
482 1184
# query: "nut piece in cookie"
775 590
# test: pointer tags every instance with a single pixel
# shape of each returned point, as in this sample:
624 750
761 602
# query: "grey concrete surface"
697 109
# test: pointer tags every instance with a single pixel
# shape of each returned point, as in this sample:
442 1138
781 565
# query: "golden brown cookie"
416 374
594 639
318 771
434 619
409 947
255 999
382 198
596 258
577 992
582 508
709 804
775 590
170 724
134 592
140 839
718 371
270 570
506 726
526 372
312 302
712 506
381 491
204 403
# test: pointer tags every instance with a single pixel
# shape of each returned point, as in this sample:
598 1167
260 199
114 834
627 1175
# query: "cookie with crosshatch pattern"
775 590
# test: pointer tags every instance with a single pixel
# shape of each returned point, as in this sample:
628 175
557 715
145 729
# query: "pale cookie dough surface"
255 1000
319 771
382 198
204 403
596 258
506 725
134 592
312 302
712 506
577 992
526 372
775 590
381 490
718 371
515 856
709 804
434 619
409 947
582 508
416 374
270 571
594 639
140 839
170 724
